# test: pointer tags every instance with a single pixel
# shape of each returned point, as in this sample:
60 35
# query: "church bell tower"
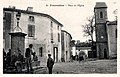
100 11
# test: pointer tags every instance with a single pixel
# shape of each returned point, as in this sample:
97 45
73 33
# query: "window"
51 36
41 51
4 15
31 30
51 31
3 31
116 33
58 27
31 18
66 42
58 37
66 54
51 24
101 14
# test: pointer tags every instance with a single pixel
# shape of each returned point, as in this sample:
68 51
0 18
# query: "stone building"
43 31
103 31
112 38
66 48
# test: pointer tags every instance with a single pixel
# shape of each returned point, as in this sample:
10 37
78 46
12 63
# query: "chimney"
12 7
30 9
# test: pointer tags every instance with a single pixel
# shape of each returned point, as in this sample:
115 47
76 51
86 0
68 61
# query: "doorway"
105 53
41 51
55 54
66 55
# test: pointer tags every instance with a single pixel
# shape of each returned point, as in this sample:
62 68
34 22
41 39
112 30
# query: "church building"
105 32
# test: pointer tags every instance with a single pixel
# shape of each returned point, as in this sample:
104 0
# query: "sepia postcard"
59 38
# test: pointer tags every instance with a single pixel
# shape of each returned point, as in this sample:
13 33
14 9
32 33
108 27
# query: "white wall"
73 51
67 48
112 40
42 33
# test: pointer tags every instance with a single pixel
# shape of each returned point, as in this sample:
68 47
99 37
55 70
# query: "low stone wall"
41 70
34 64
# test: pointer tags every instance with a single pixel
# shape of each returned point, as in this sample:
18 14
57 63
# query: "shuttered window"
58 37
51 31
31 30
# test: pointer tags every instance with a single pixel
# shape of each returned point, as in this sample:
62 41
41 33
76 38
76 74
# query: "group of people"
50 61
29 52
18 60
79 57
10 61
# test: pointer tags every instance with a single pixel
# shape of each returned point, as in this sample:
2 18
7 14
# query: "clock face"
102 37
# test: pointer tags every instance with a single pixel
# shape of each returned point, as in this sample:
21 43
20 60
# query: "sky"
72 17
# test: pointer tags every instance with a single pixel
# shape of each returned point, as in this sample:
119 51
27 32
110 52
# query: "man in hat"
50 63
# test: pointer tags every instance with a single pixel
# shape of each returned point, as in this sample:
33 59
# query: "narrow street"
87 67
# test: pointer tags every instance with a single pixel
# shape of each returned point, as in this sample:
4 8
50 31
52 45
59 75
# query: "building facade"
112 38
42 30
105 32
66 48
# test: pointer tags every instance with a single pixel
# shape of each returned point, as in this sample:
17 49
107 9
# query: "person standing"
50 63
28 55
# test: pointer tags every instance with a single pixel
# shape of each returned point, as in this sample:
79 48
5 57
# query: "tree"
72 43
89 27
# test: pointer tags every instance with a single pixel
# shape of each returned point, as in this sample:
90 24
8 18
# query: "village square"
34 40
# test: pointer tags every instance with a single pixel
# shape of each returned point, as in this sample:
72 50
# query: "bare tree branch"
89 27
